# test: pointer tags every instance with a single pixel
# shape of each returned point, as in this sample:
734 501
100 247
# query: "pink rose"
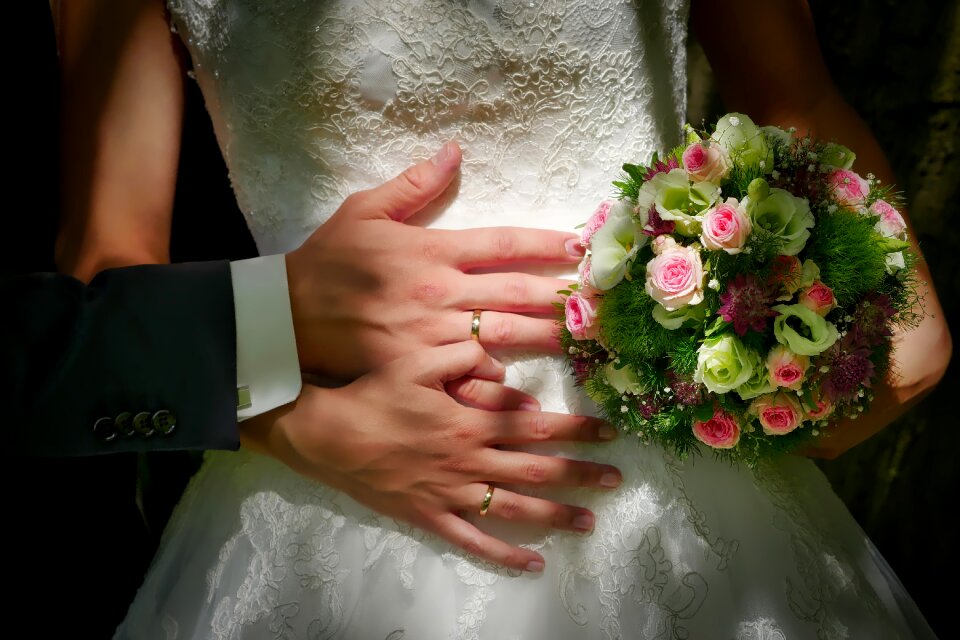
786 273
720 432
725 227
823 407
779 413
583 270
706 162
891 223
675 278
849 189
597 220
786 368
581 316
818 297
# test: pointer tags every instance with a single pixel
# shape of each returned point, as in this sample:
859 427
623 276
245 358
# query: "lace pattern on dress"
314 100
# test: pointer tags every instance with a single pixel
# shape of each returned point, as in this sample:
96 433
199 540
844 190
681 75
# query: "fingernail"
606 432
583 523
499 366
610 480
535 566
574 248
443 156
529 406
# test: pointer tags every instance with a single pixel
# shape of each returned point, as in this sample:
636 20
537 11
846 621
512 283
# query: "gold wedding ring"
487 499
475 326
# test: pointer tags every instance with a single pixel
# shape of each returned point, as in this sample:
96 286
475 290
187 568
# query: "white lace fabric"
314 100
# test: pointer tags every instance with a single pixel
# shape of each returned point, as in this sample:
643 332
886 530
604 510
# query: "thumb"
415 188
439 365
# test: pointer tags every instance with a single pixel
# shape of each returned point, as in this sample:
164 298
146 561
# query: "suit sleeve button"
142 424
164 422
105 429
124 423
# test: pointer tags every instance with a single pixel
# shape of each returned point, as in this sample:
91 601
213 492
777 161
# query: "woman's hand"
395 441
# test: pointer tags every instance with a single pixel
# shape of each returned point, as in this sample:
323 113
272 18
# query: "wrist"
310 309
280 433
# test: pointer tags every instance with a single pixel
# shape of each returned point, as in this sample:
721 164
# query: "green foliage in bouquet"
846 250
741 294
629 330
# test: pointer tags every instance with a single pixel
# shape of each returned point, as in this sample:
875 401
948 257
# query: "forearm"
122 101
921 353
776 75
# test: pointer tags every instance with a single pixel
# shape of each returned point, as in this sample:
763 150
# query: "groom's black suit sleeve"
141 359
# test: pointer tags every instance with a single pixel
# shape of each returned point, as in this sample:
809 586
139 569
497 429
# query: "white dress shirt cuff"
268 369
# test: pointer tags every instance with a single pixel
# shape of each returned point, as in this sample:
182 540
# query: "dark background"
898 63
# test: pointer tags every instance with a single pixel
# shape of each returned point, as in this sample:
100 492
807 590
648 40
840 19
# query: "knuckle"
540 428
472 546
504 245
457 465
470 389
516 291
431 249
535 472
509 508
503 329
412 180
466 433
431 292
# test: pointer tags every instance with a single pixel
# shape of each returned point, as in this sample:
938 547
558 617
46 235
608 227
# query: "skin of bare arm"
122 95
768 65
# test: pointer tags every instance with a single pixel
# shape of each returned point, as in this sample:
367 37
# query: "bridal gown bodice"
313 100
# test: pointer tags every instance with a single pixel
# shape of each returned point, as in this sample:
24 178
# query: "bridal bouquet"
740 292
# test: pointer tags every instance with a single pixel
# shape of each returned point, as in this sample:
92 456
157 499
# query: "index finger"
494 246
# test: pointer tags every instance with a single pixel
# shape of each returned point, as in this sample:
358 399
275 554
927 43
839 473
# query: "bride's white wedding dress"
313 100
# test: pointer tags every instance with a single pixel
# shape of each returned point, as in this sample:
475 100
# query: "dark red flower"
661 167
657 226
849 368
746 303
685 391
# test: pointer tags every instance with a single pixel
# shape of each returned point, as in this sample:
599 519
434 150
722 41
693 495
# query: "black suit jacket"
141 359
79 531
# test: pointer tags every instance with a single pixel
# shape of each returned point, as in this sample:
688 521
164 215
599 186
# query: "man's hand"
366 288
395 441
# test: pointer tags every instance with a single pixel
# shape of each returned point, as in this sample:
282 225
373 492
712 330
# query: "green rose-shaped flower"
776 135
624 379
675 319
724 363
802 330
783 215
677 199
837 155
758 384
744 141
613 247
